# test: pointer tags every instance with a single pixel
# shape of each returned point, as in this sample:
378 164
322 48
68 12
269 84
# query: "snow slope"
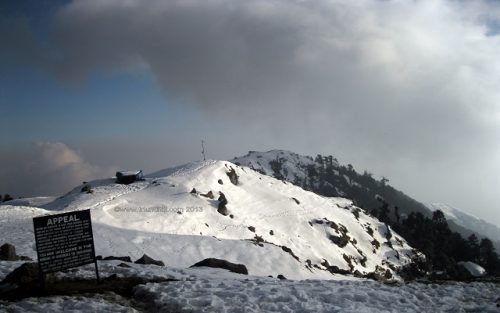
303 171
277 228
468 221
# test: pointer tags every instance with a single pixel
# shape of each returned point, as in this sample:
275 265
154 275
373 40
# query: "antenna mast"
203 149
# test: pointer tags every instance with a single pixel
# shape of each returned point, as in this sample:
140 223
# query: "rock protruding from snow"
25 274
221 208
8 252
119 258
146 259
218 263
209 194
233 177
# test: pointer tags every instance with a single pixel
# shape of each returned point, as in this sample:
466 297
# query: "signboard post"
64 241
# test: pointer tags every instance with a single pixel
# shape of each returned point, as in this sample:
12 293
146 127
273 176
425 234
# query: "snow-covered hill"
281 164
324 175
273 227
468 221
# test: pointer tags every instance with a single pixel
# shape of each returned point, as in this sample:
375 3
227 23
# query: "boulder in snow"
8 252
218 263
209 195
221 208
233 177
24 275
146 259
119 258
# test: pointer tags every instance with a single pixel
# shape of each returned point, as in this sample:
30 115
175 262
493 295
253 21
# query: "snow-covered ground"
96 303
264 295
215 290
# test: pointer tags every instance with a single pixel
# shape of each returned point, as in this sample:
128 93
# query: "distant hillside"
468 223
445 242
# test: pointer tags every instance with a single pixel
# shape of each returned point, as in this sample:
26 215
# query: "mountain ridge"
271 226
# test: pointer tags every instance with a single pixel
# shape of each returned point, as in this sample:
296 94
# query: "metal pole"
96 270
41 275
203 149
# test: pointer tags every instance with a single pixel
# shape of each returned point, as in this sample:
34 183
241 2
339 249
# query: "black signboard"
64 241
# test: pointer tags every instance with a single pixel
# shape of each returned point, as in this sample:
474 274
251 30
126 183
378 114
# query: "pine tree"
319 159
397 215
473 248
350 168
438 217
488 257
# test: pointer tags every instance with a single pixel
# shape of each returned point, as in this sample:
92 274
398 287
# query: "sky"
404 89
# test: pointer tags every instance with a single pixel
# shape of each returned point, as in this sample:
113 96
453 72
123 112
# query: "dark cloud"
18 43
401 76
